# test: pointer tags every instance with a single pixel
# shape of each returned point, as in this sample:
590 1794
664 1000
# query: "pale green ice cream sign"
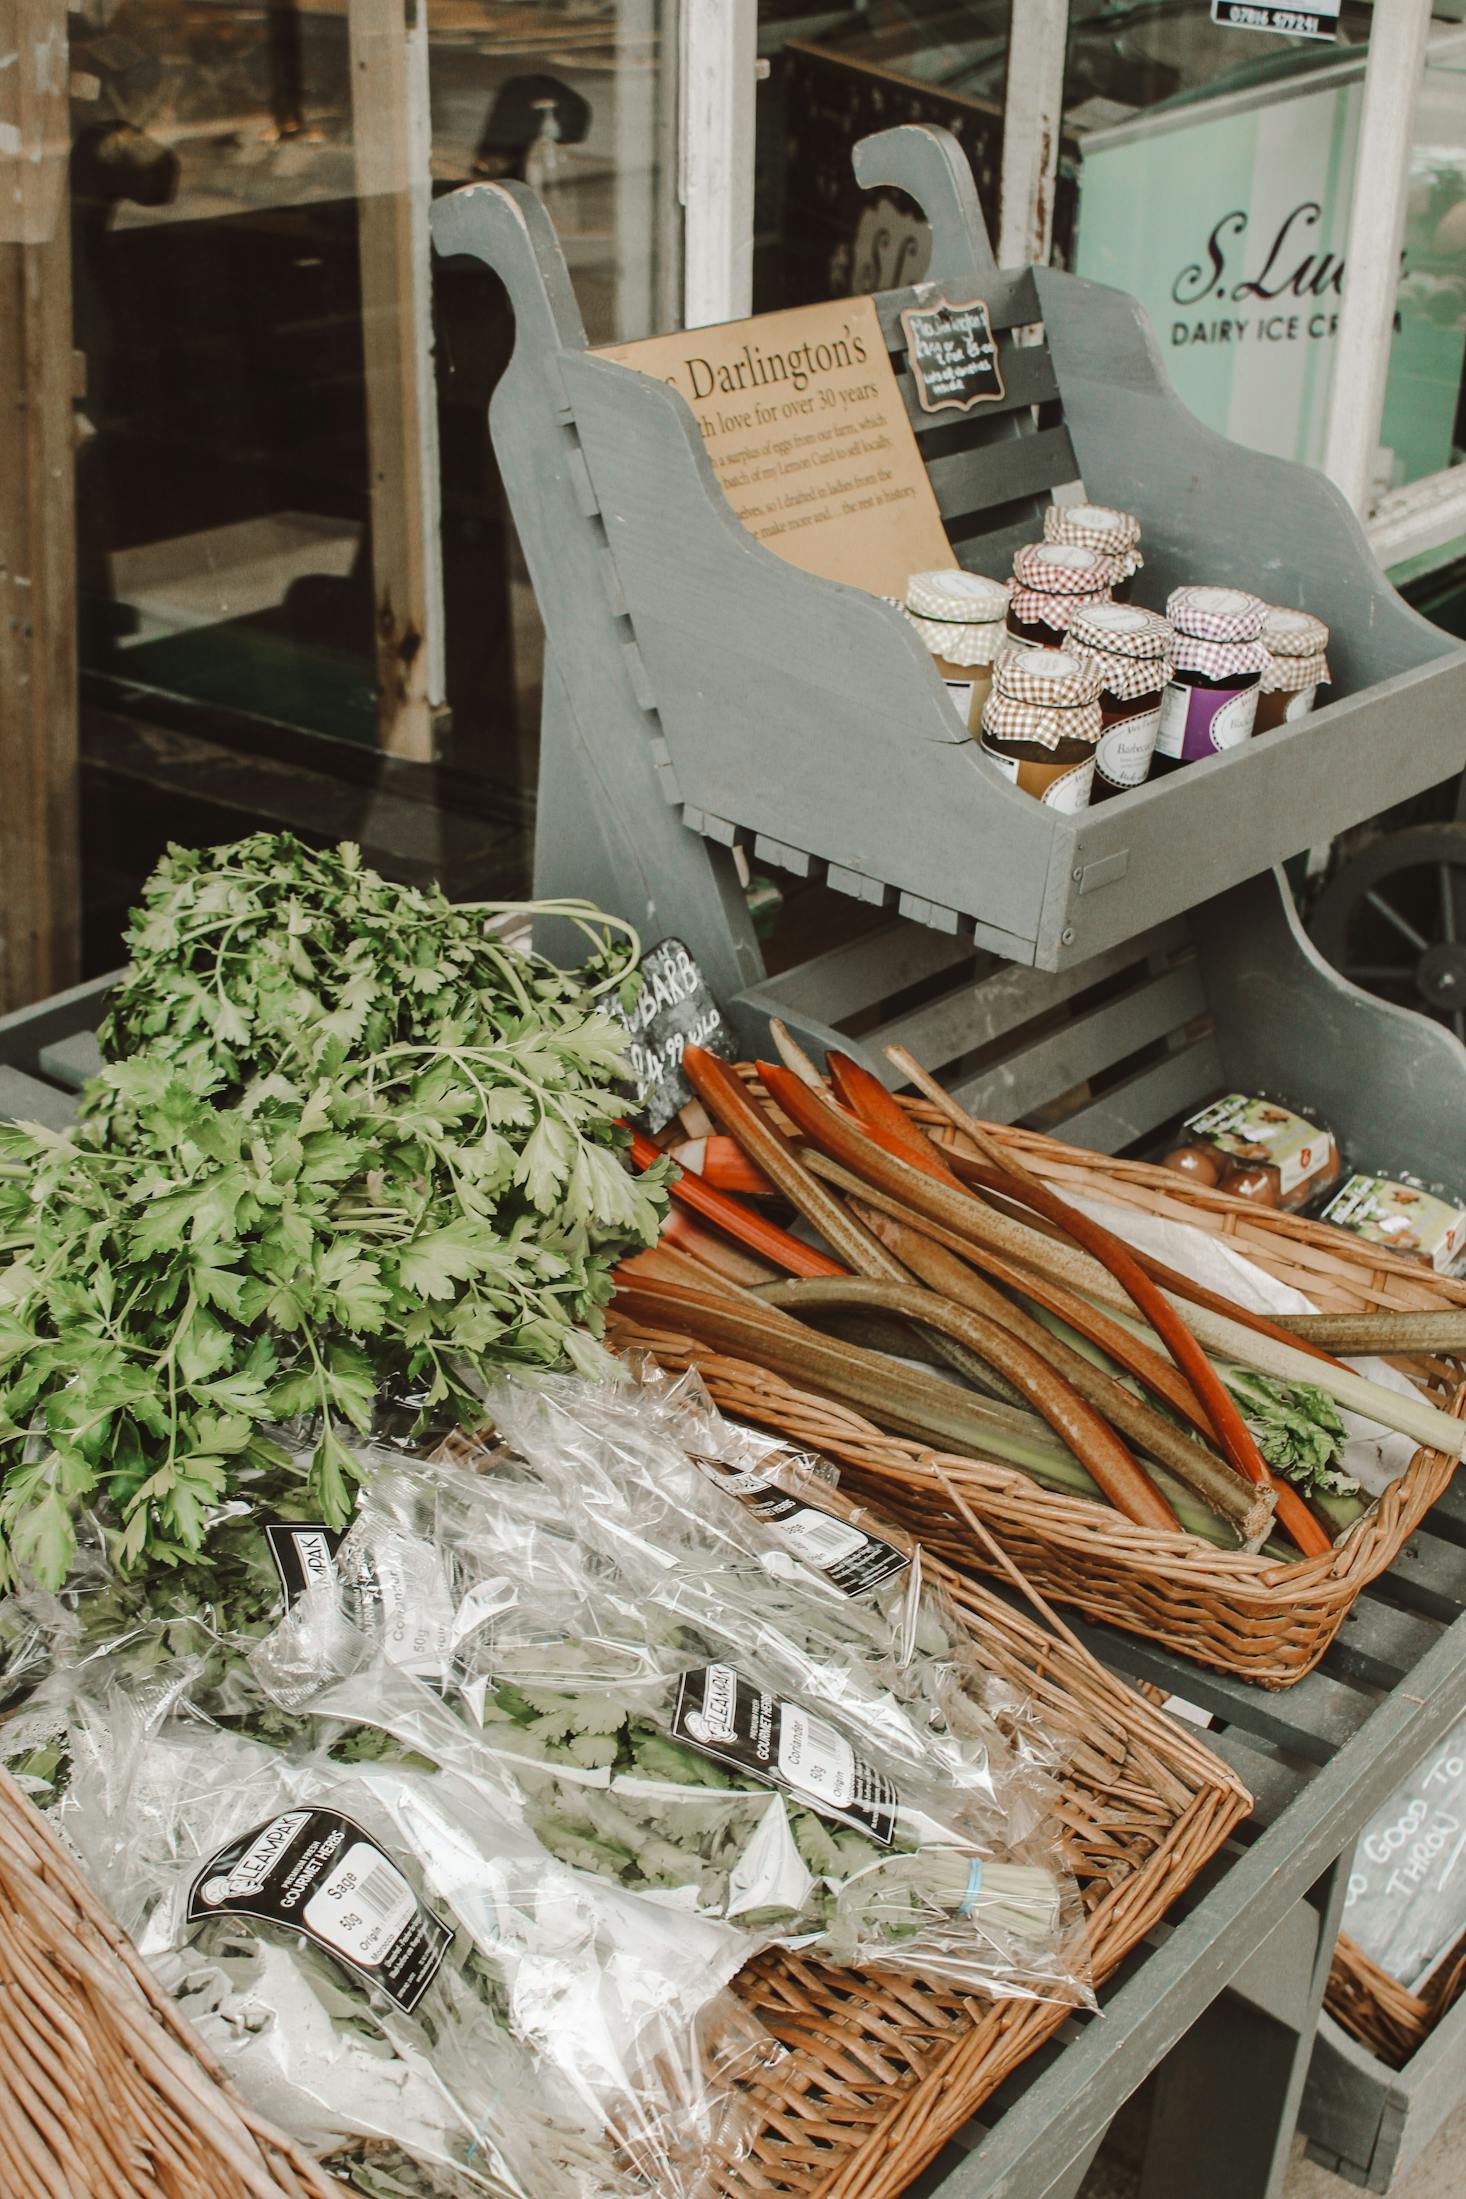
1229 222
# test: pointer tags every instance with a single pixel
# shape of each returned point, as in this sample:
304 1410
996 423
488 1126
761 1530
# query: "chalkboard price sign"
953 355
674 1009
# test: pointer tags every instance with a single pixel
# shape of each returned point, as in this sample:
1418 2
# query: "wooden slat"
391 136
1091 1042
39 855
978 1013
1272 1783
26 1099
1143 1102
972 481
1429 1575
1003 531
846 979
1312 1719
1379 1643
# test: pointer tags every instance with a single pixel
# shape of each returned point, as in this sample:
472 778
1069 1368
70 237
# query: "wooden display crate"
704 698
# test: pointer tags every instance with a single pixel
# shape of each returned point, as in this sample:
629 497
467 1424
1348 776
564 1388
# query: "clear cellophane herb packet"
383 1955
688 1721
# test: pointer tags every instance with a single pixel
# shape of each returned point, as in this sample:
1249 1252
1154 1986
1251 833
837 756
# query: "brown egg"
1198 1162
1260 1185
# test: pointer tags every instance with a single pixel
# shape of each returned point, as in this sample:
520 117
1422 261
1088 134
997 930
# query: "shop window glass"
245 298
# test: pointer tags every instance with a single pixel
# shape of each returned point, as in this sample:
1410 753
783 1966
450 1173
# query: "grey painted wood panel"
1142 1103
861 972
971 481
69 1062
1003 999
27 1099
1096 1039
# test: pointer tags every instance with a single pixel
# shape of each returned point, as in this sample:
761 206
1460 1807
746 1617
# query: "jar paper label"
1071 789
1231 723
1126 748
726 1717
317 1872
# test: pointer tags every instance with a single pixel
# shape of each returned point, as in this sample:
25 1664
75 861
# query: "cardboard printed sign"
953 355
804 423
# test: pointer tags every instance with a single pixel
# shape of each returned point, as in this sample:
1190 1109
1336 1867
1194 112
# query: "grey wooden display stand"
701 693
1367 2122
1222 2002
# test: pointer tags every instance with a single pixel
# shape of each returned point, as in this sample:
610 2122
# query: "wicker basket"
108 2096
1378 2011
1236 1611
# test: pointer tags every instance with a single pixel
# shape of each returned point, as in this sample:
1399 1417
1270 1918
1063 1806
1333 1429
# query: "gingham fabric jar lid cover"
1008 719
1061 569
1123 630
1055 678
1115 534
964 623
1295 642
1294 633
956 596
1217 631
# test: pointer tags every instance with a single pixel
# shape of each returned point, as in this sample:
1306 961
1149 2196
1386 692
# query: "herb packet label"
726 1717
304 1553
851 1560
317 1872
397 1592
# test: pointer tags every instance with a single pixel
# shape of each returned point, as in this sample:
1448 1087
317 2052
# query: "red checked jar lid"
1131 650
1134 649
1217 630
1052 581
1114 534
1041 724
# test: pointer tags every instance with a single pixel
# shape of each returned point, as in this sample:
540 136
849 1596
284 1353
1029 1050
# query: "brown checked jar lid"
1055 678
1295 642
1134 649
1046 696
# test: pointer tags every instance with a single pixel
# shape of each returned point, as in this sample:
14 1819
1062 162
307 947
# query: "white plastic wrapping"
688 1710
383 1950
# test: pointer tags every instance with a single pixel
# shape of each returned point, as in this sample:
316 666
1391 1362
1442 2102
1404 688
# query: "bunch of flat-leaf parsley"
347 1144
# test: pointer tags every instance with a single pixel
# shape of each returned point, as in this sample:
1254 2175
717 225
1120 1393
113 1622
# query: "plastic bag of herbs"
676 1493
388 1962
671 1735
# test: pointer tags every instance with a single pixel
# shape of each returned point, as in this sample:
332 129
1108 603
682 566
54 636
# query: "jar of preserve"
1131 650
1212 699
960 618
1042 723
1052 581
1114 534
1297 667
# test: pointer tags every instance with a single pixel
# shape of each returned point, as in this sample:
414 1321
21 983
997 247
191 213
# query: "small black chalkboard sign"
674 1009
953 355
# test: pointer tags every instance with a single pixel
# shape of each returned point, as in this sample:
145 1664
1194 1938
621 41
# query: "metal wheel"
1393 919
